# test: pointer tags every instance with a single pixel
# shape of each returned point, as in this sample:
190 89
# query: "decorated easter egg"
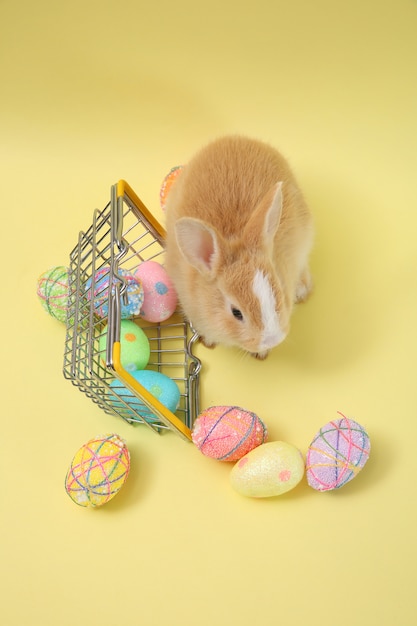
160 386
227 433
98 471
269 470
167 183
134 346
160 297
337 454
98 290
53 292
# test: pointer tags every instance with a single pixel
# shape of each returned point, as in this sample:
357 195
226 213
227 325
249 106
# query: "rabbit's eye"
237 314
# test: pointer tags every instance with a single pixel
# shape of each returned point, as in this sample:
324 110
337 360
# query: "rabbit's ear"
199 244
264 222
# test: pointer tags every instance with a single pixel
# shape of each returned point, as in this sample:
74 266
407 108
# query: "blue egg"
162 387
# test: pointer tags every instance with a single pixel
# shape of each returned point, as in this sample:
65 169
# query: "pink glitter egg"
337 454
227 433
160 298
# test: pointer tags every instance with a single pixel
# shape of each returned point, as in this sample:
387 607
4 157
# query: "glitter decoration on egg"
337 454
100 293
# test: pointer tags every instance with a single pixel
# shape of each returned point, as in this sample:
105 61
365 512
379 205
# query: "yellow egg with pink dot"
271 469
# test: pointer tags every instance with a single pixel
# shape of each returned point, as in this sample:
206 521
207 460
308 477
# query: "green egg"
134 346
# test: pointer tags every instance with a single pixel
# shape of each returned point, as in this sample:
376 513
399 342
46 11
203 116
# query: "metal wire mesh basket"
123 235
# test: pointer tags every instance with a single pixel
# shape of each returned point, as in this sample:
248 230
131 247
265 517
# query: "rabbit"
238 239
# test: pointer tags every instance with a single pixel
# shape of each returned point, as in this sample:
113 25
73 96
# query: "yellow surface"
96 91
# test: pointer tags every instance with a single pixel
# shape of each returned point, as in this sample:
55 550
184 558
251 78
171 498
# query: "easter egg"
98 290
162 387
227 433
53 292
160 298
98 471
167 183
337 454
269 470
134 346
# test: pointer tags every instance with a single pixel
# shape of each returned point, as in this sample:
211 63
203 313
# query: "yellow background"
96 91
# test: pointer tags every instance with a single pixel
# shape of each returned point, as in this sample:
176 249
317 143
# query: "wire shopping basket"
123 235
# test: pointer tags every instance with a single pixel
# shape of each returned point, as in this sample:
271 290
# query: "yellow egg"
271 469
98 471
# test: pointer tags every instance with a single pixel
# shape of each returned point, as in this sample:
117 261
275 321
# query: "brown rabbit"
239 234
